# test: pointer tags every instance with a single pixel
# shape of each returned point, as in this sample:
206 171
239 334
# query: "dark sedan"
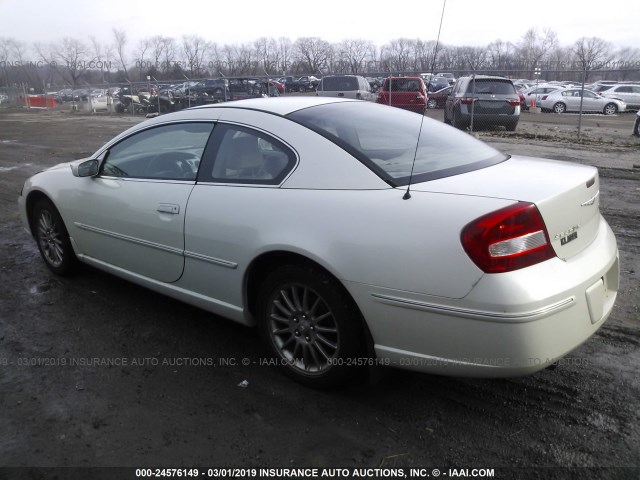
439 98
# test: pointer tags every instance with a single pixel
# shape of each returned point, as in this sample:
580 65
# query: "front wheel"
53 239
559 107
610 109
432 103
311 326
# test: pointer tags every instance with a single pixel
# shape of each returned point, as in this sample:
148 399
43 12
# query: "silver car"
536 92
352 234
569 100
629 94
345 86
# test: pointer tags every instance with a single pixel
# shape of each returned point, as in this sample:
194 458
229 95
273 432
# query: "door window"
168 152
243 155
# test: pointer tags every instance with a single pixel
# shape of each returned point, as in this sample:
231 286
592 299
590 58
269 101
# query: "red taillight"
466 101
508 239
544 97
514 103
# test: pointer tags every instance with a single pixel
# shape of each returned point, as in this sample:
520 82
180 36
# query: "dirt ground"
60 408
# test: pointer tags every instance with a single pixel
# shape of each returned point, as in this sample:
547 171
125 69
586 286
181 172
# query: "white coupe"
352 234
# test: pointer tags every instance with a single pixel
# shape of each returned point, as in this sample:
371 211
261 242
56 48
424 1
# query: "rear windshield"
384 138
337 84
403 85
491 86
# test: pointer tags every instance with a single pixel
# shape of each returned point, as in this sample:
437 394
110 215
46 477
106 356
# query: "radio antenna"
407 194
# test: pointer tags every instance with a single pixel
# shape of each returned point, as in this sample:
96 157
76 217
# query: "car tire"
610 109
302 89
311 326
52 239
456 121
511 127
559 107
432 103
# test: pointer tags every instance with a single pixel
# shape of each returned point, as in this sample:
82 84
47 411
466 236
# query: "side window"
168 152
243 155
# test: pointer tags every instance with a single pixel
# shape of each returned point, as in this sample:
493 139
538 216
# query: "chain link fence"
487 101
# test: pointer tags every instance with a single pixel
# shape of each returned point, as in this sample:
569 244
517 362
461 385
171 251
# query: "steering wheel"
170 165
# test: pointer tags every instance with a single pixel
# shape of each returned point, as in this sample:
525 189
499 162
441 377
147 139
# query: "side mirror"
88 168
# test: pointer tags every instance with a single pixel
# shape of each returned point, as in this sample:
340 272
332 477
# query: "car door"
131 215
242 167
592 102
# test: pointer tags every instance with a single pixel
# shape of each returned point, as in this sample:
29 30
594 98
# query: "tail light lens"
514 103
466 101
544 97
509 239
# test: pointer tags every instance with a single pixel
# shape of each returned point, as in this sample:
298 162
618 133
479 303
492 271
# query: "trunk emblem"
568 238
591 201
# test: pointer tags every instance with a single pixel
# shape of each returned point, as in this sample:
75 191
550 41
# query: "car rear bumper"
508 325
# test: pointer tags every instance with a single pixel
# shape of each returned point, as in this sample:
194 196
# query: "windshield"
384 138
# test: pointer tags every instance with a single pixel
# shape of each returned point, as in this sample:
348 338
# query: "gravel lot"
59 408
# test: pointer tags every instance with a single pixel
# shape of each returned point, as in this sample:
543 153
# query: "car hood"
63 165
566 194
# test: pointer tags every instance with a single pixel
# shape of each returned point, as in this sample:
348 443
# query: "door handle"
169 208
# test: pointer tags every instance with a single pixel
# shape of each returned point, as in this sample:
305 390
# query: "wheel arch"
264 264
32 199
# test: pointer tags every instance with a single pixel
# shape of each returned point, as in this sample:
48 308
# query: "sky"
466 22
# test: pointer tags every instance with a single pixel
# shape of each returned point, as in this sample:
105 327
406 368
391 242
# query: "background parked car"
439 98
347 86
292 84
409 93
537 92
568 100
437 83
493 101
628 93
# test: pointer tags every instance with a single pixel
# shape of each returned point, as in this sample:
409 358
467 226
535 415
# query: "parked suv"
347 86
409 93
492 100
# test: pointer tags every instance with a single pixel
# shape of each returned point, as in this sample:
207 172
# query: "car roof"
278 105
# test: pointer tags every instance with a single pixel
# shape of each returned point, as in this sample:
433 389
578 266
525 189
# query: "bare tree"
102 55
120 37
266 52
169 54
194 49
144 46
628 62
312 54
74 58
425 53
591 53
533 47
500 55
13 54
354 54
284 54
397 56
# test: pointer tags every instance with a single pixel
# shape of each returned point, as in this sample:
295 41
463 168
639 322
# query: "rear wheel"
302 89
559 107
610 109
432 103
53 239
311 326
456 121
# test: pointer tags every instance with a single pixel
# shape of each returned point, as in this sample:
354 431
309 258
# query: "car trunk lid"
567 195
